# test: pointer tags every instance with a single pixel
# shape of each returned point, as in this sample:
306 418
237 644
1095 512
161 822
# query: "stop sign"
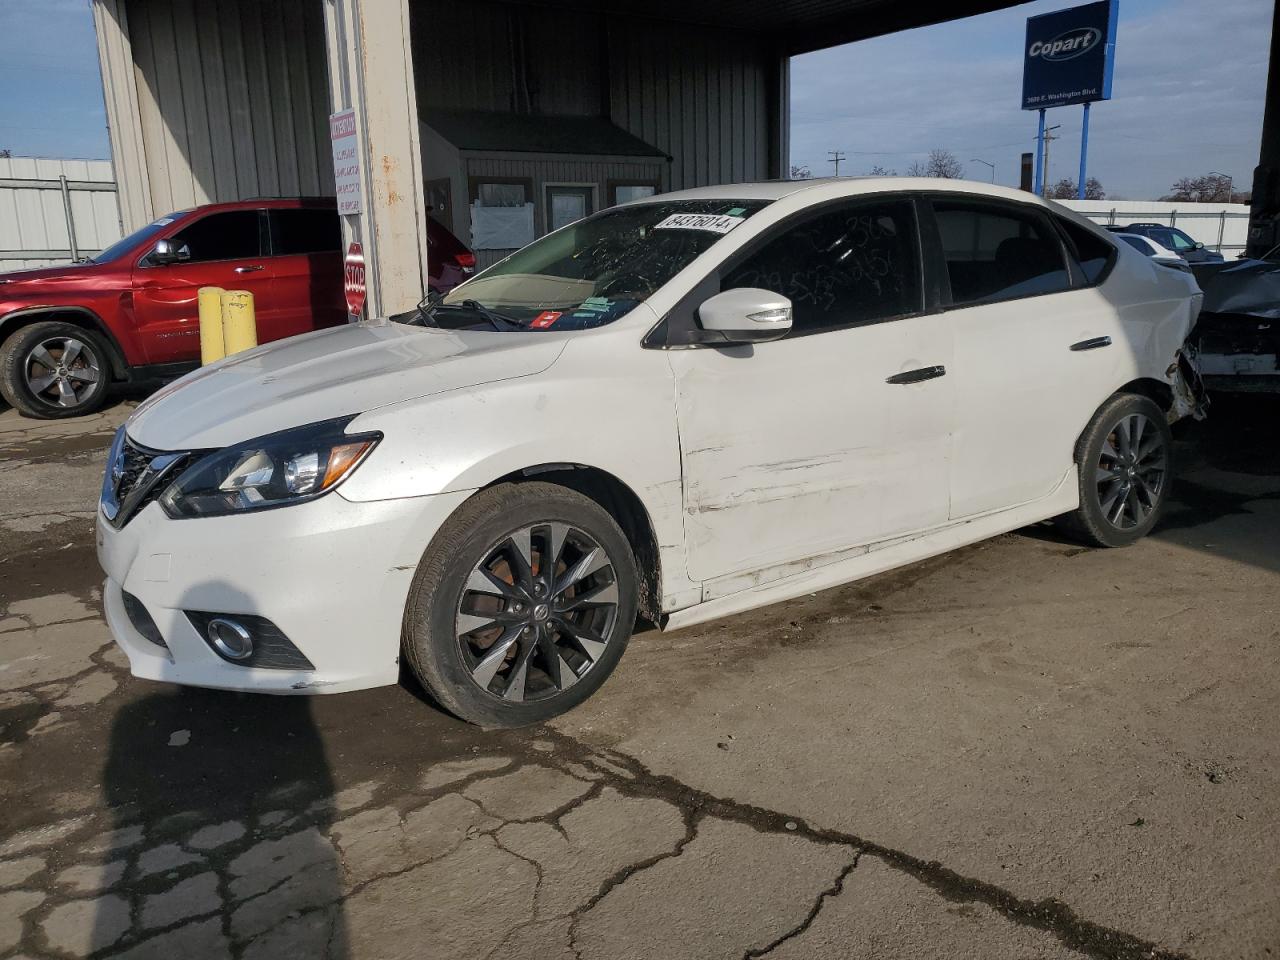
353 279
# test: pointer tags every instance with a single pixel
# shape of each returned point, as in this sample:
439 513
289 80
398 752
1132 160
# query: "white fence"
55 211
1219 226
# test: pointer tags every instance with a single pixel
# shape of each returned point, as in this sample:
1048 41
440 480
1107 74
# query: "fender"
22 316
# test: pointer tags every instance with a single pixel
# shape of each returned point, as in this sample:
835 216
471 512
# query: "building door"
567 203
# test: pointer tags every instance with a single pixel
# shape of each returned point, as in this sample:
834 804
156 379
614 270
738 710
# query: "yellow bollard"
212 346
239 328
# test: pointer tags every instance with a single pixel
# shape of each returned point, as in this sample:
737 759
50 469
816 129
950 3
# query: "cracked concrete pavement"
1024 749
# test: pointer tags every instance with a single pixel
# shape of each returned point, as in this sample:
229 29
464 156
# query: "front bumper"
332 574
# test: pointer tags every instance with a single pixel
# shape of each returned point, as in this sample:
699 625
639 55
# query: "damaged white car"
681 408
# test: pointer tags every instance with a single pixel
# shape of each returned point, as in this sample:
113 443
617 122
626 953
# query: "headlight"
271 471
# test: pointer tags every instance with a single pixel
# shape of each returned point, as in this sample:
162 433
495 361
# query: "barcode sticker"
716 223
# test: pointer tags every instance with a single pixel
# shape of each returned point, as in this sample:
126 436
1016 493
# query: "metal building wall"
33 219
227 99
701 96
231 99
704 96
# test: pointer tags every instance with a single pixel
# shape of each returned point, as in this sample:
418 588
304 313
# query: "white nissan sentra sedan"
680 408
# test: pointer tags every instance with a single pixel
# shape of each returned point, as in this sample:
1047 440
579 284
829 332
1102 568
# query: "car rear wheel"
52 369
522 605
1126 473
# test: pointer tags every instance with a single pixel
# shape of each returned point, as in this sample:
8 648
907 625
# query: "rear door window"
1093 254
998 252
295 232
1139 244
854 265
234 235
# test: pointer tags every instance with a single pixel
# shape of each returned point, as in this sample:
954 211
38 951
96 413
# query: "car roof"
824 187
269 203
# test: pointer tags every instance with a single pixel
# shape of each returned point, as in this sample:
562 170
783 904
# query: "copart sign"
1069 56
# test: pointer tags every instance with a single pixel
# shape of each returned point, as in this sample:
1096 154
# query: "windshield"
592 272
138 236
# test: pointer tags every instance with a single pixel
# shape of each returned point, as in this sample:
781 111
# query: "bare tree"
800 172
5 154
941 163
879 171
1065 189
1209 188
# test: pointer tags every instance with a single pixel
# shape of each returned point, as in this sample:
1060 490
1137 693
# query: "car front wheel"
1126 473
52 369
522 605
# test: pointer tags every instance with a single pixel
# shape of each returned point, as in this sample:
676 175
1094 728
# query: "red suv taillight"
467 261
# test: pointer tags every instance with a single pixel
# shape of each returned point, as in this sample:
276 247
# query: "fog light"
230 639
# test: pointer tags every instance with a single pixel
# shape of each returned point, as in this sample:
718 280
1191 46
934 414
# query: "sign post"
1069 58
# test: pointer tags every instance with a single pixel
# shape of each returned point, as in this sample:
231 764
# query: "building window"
501 213
621 191
567 203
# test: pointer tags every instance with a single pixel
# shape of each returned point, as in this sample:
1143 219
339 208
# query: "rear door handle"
1093 343
918 376
258 266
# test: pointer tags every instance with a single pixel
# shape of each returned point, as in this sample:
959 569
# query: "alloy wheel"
1131 471
537 612
61 371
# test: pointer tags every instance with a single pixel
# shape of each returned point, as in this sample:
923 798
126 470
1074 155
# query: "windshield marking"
722 223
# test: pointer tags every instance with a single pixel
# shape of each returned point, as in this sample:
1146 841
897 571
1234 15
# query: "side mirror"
745 315
166 251
1199 245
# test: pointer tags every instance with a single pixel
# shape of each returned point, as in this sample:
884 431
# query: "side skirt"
822 573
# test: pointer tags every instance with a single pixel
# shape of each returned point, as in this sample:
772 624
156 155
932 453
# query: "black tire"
445 660
18 382
1119 509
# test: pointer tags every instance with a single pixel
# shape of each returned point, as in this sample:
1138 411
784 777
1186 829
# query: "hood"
38 276
330 373
1248 287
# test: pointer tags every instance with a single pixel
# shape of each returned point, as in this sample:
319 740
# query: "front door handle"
1093 343
258 266
918 376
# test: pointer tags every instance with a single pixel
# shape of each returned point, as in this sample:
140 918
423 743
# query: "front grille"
141 619
136 476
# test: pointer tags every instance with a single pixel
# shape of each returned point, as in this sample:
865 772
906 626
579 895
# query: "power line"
836 156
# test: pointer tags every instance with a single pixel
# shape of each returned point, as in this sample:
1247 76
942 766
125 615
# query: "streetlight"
989 164
1231 184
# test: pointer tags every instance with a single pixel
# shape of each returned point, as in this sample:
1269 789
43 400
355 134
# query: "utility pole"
836 156
1048 138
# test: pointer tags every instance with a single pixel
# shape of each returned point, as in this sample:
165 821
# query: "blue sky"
1187 97
52 102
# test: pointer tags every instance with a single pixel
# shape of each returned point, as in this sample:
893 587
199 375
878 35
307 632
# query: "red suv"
130 313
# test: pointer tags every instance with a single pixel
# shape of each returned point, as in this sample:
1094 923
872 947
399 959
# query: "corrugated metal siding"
35 219
489 56
699 95
233 99
560 169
